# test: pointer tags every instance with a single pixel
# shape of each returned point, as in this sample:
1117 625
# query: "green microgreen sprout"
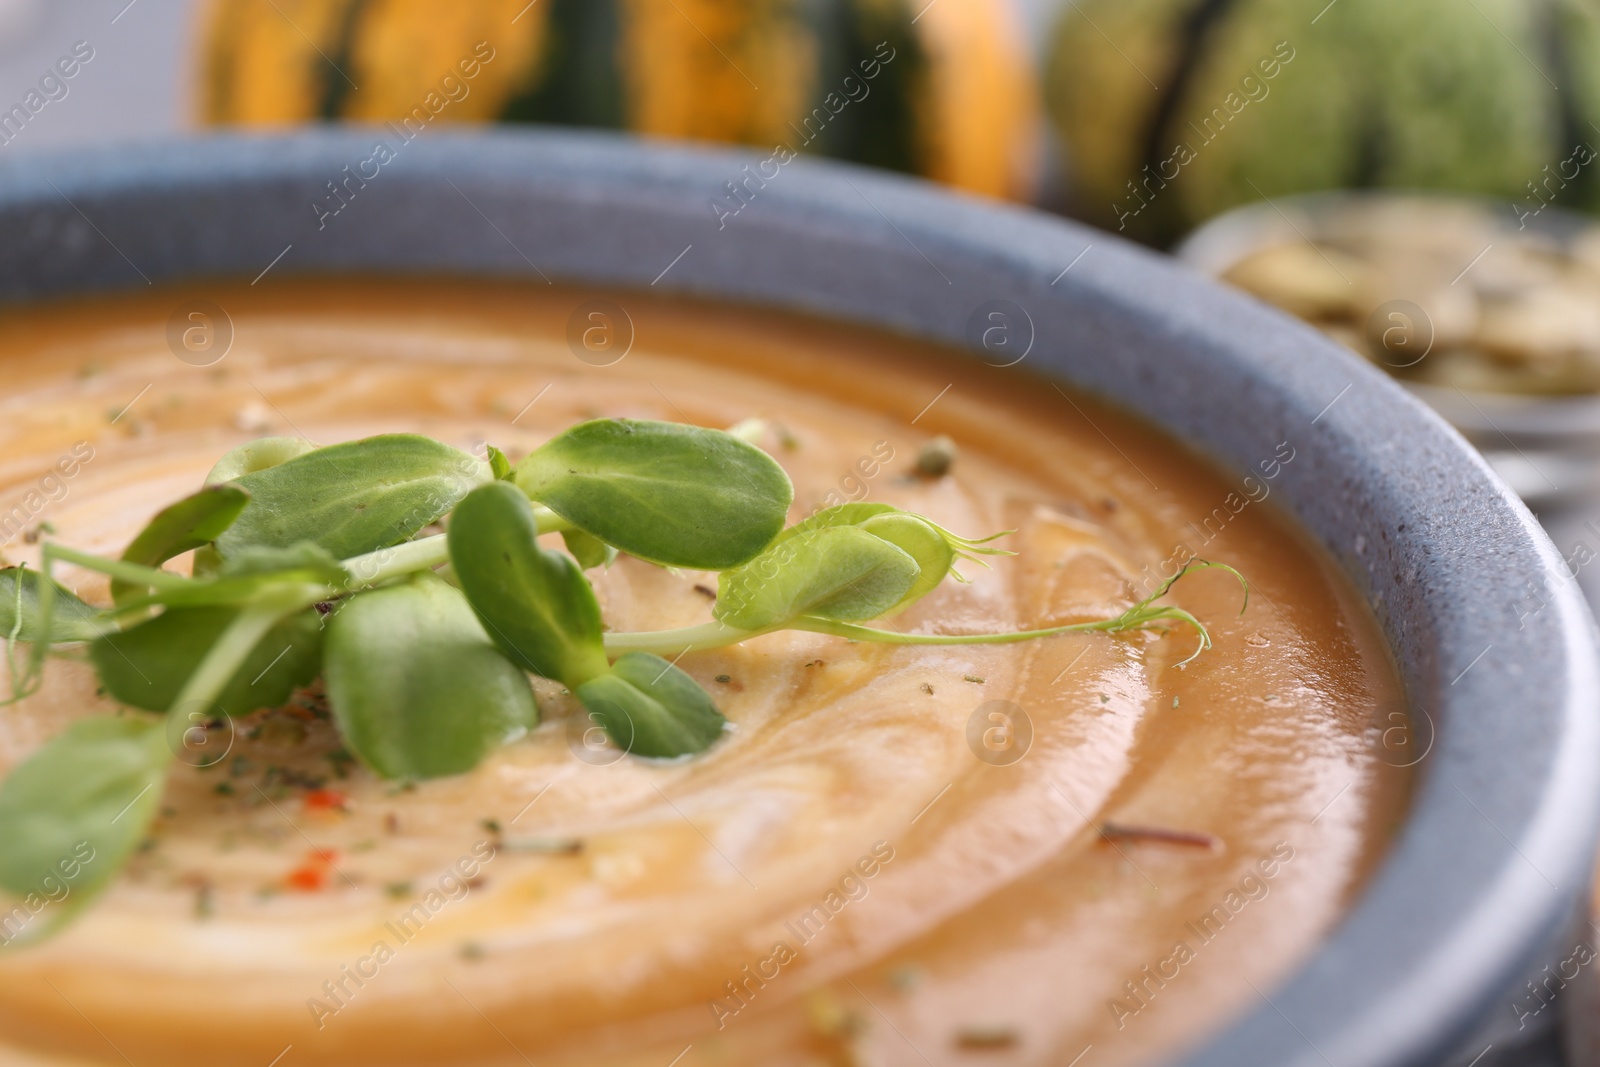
311 561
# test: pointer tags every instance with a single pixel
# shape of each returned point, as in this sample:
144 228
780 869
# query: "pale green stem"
549 521
222 660
1129 621
425 553
47 625
718 635
377 567
118 569
891 637
684 639
11 644
240 638
49 555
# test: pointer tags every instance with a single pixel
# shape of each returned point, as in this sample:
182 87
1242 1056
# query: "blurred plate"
1546 446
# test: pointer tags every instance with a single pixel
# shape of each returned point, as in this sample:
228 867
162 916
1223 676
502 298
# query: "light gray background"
138 82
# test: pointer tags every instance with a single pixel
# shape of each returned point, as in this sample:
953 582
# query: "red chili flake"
327 800
307 879
313 873
1117 832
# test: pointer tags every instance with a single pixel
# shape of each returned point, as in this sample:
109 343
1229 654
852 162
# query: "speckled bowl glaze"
1487 873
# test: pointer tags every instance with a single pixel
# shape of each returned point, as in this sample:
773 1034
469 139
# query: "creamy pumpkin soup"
1089 847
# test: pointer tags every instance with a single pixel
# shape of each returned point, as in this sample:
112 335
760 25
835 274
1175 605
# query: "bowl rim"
1496 850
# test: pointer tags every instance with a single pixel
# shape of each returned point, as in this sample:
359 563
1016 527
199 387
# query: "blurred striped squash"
1271 97
953 96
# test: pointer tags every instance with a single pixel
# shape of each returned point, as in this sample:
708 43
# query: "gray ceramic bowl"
1496 854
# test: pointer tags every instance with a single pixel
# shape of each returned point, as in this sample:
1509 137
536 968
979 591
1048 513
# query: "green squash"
1172 111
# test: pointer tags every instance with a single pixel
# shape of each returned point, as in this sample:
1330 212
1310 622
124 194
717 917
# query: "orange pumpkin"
944 89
